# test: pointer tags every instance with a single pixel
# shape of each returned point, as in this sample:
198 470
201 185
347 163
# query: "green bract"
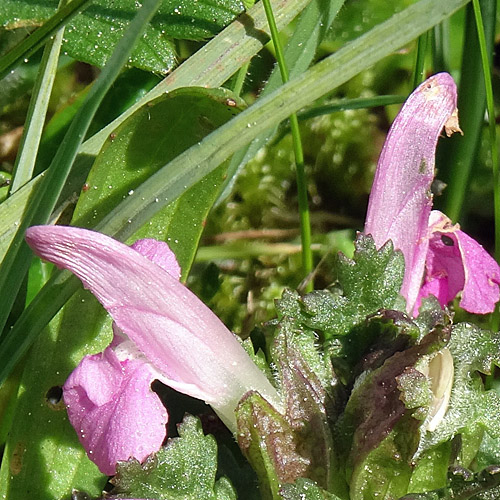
185 469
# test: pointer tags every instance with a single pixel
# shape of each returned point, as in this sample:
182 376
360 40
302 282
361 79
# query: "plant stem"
305 223
418 76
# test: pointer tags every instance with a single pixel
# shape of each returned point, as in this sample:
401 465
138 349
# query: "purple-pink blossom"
162 331
440 259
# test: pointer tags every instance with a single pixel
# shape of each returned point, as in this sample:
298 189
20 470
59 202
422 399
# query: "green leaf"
29 45
358 18
431 470
184 469
385 471
266 439
92 35
307 405
305 489
283 448
462 484
37 111
367 283
293 322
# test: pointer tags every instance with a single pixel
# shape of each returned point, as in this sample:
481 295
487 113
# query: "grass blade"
457 156
485 58
28 150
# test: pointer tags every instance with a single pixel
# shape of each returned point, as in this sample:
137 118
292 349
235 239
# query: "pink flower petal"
159 253
112 407
456 262
177 333
400 199
482 276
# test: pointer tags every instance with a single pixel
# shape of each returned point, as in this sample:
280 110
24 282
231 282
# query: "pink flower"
162 331
455 262
439 258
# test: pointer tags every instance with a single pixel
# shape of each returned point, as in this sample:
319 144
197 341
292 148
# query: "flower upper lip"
401 201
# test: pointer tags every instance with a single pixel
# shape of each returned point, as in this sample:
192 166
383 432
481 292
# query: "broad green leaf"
359 17
184 469
431 470
293 322
385 472
29 45
92 35
128 88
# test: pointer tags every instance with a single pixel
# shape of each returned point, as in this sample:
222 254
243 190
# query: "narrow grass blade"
457 156
490 106
419 72
441 47
25 160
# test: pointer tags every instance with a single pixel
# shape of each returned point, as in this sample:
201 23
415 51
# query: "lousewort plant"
375 392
